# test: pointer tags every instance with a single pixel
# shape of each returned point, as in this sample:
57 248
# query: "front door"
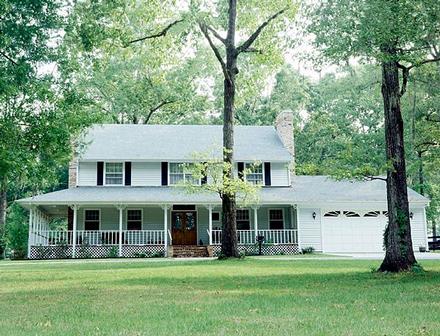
184 227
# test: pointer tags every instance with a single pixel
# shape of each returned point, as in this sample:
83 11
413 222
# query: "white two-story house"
123 199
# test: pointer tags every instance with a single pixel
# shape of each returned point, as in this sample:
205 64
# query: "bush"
113 253
15 237
308 250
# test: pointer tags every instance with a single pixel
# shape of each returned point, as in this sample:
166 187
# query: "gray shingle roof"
179 142
306 189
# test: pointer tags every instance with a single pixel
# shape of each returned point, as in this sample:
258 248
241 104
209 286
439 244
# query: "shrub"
113 253
308 250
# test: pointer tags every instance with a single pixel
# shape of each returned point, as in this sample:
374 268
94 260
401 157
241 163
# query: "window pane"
255 174
176 168
276 214
113 173
176 178
134 215
216 216
242 214
92 215
243 225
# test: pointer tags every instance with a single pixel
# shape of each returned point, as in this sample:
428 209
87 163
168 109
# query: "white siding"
146 174
279 174
418 229
87 174
309 228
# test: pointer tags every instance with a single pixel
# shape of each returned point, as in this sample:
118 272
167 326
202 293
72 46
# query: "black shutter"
100 173
267 179
164 173
240 167
127 173
205 176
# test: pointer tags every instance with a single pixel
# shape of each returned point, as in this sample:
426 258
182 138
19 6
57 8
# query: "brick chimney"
73 170
284 127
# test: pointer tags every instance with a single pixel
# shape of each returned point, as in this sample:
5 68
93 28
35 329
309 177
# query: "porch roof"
304 190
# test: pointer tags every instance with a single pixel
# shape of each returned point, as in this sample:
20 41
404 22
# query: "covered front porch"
151 230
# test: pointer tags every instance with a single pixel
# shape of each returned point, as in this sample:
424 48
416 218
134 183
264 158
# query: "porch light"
411 215
314 215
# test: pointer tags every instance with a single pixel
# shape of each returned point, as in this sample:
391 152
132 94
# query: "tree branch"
8 58
431 60
405 75
372 178
246 44
154 109
205 32
217 35
253 50
163 32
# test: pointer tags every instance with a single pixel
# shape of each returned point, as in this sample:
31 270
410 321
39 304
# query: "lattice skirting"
96 251
279 249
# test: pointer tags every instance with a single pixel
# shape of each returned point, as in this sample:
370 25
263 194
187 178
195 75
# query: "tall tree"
35 121
230 70
397 35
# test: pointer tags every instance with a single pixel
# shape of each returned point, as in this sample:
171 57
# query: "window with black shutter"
127 173
100 173
164 173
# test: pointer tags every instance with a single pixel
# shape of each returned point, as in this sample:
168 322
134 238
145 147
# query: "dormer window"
114 173
178 174
254 173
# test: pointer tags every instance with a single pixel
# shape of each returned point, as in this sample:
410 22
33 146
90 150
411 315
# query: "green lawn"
245 297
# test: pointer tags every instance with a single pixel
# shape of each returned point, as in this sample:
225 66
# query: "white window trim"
84 217
268 218
126 217
105 174
199 182
263 181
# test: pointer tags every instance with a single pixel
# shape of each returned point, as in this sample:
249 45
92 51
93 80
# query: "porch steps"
190 251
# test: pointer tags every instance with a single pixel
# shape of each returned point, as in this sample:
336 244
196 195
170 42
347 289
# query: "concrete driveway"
379 256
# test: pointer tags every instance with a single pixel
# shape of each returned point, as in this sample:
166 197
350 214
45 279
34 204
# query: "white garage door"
353 231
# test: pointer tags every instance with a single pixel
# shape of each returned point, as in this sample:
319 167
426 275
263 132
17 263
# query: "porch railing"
248 237
153 237
103 237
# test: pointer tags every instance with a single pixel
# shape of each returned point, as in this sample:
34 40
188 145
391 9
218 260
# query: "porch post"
165 208
31 229
210 223
256 221
75 220
121 209
298 235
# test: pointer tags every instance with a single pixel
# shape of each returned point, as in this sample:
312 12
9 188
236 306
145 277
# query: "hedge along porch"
133 230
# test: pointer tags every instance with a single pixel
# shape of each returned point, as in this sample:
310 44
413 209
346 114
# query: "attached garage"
353 231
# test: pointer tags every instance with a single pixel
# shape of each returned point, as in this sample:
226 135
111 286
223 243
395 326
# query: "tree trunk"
3 202
399 251
229 232
3 207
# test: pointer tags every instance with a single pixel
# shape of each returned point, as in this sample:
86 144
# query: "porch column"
75 220
121 212
298 234
165 208
31 229
210 223
256 221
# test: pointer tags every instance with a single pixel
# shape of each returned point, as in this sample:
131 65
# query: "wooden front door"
184 227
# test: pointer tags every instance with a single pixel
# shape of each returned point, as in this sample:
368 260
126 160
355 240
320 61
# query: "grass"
243 297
